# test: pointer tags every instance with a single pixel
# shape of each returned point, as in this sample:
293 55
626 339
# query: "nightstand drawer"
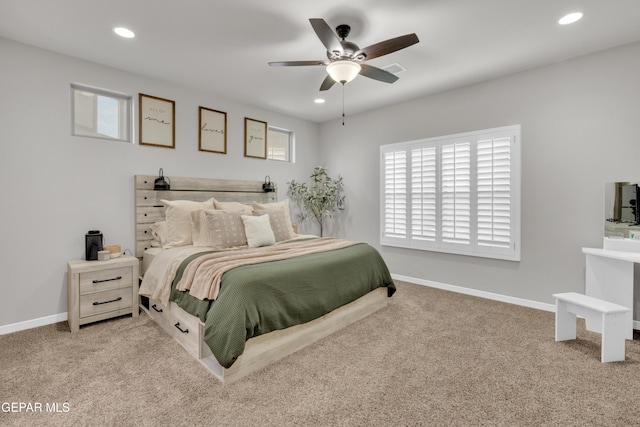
105 280
104 302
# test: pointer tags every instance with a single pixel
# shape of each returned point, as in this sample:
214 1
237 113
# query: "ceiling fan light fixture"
343 71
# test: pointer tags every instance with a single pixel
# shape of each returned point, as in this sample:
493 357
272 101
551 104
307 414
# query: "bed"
239 309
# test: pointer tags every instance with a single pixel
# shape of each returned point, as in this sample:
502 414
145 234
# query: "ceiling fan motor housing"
349 49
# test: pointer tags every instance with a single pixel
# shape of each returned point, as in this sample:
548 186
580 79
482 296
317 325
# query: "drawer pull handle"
184 331
155 307
107 280
107 302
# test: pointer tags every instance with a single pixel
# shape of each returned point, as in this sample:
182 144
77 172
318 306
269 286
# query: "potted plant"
320 199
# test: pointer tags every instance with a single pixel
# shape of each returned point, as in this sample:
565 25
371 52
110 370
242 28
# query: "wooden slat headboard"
149 208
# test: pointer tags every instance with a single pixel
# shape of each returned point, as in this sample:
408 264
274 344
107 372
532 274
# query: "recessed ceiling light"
570 18
124 32
319 101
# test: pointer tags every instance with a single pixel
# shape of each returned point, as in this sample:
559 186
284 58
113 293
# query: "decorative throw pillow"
225 229
279 224
178 217
159 232
258 231
199 230
233 206
282 205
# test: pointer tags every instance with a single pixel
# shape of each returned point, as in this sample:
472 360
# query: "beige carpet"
431 358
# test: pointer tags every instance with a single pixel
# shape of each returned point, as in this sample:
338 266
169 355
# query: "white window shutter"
395 194
423 194
494 192
456 193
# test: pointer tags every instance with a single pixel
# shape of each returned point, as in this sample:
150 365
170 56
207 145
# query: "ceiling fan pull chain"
342 104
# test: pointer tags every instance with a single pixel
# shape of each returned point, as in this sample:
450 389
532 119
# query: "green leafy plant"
320 199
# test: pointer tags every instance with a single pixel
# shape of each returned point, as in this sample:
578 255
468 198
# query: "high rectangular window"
99 113
280 144
457 194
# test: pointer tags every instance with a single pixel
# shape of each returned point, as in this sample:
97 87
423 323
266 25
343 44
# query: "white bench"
612 318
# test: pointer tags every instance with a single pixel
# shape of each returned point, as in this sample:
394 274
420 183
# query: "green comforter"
260 298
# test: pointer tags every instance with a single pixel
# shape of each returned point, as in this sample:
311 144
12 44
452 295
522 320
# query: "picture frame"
213 130
157 121
255 138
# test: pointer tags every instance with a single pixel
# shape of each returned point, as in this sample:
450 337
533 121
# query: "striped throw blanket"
203 275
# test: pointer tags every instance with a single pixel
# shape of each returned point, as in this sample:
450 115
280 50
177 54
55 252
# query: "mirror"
622 213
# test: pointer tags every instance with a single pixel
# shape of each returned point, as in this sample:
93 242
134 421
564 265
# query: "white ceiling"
224 46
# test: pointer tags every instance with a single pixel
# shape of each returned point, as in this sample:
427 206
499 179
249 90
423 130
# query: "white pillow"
282 205
258 231
159 232
233 206
178 217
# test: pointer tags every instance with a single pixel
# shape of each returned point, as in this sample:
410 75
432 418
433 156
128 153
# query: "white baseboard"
487 295
34 323
477 293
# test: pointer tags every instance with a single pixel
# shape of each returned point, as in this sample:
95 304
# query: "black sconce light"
160 183
268 186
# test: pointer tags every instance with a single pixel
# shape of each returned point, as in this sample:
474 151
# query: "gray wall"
56 187
580 129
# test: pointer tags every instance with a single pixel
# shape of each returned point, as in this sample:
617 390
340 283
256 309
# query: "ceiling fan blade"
377 73
388 46
297 63
327 83
326 35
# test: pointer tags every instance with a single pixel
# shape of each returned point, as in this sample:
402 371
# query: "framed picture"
213 131
255 138
157 118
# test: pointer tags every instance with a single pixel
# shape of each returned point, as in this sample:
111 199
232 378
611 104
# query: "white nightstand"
98 290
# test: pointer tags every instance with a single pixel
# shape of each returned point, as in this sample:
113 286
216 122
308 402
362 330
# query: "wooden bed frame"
262 350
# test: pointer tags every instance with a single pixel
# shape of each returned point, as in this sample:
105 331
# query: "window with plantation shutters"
456 194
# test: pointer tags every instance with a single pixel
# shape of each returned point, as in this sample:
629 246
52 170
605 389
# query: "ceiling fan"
345 59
